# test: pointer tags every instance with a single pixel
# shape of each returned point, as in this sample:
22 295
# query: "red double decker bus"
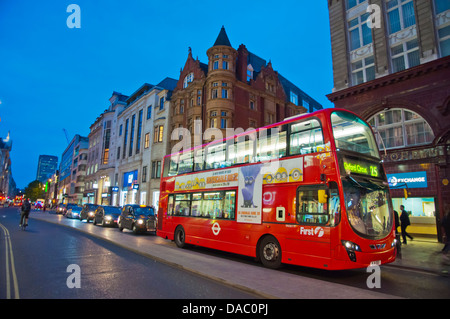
309 191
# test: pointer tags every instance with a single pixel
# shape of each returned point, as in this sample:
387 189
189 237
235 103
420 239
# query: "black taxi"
138 218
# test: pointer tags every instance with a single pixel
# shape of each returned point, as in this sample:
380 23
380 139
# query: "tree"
34 190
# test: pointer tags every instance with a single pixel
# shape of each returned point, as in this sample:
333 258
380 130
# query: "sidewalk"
266 283
423 254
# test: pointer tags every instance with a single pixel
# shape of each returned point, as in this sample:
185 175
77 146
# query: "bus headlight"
394 243
350 246
140 221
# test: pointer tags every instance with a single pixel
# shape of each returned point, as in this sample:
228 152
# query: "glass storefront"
422 214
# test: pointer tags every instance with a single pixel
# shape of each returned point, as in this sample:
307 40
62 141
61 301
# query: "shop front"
129 193
412 190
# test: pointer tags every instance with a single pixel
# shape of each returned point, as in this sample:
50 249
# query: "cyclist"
26 207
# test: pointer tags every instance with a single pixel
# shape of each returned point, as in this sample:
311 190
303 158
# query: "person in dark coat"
404 220
446 226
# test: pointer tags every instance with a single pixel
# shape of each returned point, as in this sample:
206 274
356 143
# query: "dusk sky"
54 78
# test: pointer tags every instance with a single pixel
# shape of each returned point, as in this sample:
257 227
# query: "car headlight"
91 213
108 217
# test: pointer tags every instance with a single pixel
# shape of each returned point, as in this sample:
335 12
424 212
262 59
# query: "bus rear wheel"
180 237
270 252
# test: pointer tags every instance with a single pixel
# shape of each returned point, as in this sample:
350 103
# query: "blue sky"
54 78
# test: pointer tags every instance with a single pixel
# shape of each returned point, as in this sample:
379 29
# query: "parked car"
137 218
69 206
106 215
74 211
60 209
88 212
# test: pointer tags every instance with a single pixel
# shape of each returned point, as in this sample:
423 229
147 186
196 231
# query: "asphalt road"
108 271
49 261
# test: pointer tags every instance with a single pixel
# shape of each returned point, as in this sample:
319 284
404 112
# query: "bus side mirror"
322 195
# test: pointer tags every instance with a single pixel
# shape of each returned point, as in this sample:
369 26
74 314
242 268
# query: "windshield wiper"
351 179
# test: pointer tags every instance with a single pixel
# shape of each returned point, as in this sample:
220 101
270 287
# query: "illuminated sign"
361 167
408 180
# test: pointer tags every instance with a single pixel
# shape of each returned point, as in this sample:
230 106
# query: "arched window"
400 128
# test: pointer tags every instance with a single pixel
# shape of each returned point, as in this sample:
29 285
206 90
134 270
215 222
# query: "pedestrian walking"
446 226
404 220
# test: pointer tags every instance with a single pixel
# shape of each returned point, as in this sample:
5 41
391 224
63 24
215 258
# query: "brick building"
235 89
397 77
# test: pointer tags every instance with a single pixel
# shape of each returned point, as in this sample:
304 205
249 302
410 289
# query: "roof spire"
222 38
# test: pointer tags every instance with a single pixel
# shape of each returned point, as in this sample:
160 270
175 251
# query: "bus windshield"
353 134
367 205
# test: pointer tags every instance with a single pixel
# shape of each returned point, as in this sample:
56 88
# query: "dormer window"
188 79
249 72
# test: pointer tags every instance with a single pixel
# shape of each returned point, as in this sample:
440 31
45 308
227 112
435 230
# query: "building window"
125 139
118 153
363 70
158 134
400 14
405 55
156 169
249 72
360 33
215 65
442 11
441 6
444 41
225 65
294 98
400 128
120 130
147 140
252 105
214 94
139 132
149 112
223 123
353 3
144 174
133 119
188 79
224 94
161 103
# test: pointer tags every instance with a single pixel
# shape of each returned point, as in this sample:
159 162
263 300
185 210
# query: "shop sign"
129 178
408 180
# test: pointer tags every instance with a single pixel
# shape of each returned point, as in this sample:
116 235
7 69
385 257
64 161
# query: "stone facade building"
235 89
395 74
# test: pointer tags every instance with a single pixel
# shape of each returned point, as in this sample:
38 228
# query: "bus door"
317 211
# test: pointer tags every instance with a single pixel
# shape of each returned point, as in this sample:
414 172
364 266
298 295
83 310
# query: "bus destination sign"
361 167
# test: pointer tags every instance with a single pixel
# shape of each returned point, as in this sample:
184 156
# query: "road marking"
9 257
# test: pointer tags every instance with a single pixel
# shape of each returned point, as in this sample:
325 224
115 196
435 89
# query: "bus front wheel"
270 252
180 237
